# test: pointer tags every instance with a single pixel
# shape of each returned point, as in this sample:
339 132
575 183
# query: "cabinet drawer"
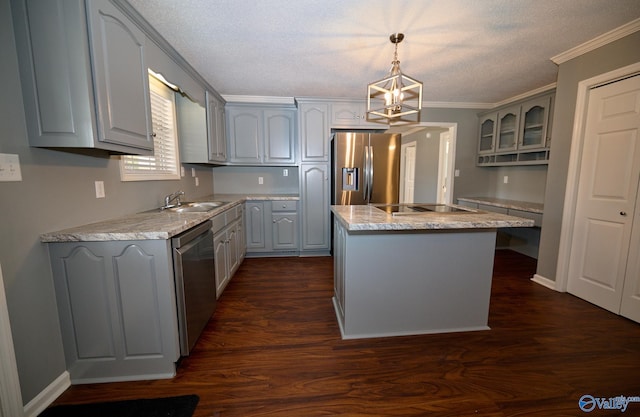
239 211
494 209
536 217
233 213
218 223
284 205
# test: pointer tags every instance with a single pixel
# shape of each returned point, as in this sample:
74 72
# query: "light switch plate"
260 180
10 167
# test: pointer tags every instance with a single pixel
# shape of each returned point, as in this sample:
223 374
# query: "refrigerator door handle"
370 174
365 177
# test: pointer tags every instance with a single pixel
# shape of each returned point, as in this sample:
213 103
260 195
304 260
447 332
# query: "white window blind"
163 165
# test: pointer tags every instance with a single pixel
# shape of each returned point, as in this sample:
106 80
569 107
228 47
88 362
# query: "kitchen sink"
195 207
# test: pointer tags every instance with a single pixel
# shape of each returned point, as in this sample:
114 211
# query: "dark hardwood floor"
273 348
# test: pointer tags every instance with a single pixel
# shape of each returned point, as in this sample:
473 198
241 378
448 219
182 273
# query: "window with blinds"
163 165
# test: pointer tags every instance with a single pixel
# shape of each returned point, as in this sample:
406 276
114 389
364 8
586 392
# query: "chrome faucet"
171 197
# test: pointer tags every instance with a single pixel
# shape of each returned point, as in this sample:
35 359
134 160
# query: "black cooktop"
398 209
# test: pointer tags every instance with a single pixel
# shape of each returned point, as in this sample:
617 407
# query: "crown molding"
259 99
456 105
526 95
611 36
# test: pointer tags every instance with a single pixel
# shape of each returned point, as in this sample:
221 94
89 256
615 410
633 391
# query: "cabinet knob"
623 213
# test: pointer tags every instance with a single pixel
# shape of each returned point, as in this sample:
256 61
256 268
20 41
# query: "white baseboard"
48 395
545 282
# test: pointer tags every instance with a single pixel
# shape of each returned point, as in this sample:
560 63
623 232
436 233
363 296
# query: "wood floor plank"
273 348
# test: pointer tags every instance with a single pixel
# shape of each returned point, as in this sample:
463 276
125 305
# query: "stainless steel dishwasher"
195 282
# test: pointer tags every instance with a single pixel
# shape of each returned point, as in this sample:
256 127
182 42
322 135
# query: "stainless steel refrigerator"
366 168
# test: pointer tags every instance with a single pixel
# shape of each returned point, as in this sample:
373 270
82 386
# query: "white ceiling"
464 51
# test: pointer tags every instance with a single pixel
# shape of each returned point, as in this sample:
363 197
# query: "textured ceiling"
464 51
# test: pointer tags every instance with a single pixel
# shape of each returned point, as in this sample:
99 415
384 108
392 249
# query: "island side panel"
401 283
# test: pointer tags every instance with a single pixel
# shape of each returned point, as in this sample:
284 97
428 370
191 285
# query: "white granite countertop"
369 218
153 224
508 204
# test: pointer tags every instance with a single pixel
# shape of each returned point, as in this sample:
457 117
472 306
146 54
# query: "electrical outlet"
182 171
193 172
100 189
285 172
10 167
456 173
197 181
260 180
506 179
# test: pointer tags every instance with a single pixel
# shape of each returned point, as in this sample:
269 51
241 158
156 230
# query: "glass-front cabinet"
535 117
517 134
487 133
508 123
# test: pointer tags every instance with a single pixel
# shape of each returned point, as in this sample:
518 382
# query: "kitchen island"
413 274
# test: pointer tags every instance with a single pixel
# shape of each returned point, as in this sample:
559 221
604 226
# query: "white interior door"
607 193
444 179
407 172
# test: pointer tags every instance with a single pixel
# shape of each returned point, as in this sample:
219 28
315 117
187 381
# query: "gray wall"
57 191
473 180
617 54
427 161
245 180
525 183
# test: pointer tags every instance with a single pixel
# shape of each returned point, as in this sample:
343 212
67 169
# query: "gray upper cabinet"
314 131
261 135
535 124
351 113
84 77
517 134
507 132
245 135
201 131
486 143
216 133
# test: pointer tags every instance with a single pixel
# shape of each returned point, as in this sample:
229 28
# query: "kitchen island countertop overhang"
363 218
418 274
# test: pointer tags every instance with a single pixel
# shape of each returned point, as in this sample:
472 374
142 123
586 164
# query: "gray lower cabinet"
272 227
84 76
116 302
255 226
228 245
315 202
284 220
339 268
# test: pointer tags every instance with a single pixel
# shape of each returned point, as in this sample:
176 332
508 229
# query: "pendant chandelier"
395 96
